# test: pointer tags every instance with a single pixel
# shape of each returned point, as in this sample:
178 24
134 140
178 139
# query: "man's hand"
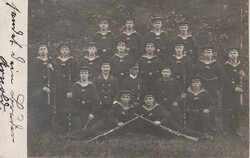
175 104
120 124
206 111
239 89
242 73
183 96
91 116
69 95
83 102
49 66
157 123
46 89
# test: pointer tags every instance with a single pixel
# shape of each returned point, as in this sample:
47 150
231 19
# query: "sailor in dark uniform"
132 38
199 105
85 100
150 65
135 84
232 78
41 87
107 86
92 60
121 61
106 40
66 70
181 65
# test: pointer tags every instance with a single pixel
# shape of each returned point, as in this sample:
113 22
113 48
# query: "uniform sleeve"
164 115
219 75
210 102
227 79
178 90
95 99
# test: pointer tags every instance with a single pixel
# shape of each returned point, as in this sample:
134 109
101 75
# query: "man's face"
105 68
208 53
149 101
84 74
183 28
179 49
92 50
129 24
157 24
65 51
43 51
196 84
233 54
150 48
134 71
103 25
166 73
121 47
125 98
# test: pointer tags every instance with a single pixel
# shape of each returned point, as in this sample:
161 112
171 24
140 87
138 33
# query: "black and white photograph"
130 78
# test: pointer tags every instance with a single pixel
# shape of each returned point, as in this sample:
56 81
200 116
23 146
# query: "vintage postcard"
122 78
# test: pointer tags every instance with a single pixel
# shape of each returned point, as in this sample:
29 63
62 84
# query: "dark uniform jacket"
190 46
157 113
162 43
167 92
120 66
118 113
210 74
181 67
136 85
150 69
197 102
133 42
231 80
88 94
94 64
107 89
105 44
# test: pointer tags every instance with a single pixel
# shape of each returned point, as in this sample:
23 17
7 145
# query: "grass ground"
223 146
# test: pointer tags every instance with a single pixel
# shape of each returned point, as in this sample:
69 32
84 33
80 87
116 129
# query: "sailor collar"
184 37
88 83
103 33
126 33
205 62
234 65
123 107
43 59
149 109
132 76
64 59
91 59
179 57
152 31
195 93
116 54
145 56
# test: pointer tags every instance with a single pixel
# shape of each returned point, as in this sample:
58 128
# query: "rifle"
69 102
86 124
112 130
169 130
241 94
184 100
48 84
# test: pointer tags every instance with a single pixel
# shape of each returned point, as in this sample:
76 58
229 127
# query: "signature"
13 19
18 102
3 98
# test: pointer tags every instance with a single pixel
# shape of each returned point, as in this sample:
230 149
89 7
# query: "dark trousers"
198 121
231 119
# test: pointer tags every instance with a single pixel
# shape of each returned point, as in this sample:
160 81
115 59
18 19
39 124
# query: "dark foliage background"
222 23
